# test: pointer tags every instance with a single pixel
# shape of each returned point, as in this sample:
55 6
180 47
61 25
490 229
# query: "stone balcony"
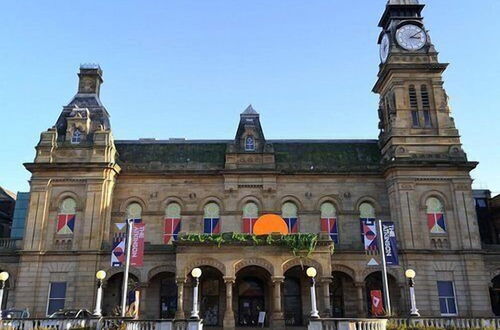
10 244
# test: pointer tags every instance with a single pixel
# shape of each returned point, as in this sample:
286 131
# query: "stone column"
278 318
179 313
229 321
325 286
360 293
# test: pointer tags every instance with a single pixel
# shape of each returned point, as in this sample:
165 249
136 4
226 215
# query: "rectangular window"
447 300
211 226
427 118
292 224
414 118
329 225
171 229
248 224
57 297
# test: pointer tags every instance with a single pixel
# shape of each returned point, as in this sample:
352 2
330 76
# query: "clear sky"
187 68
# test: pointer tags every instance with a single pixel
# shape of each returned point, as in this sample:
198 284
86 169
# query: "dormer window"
76 138
249 143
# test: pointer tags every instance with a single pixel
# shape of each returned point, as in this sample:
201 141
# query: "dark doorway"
495 295
210 296
293 301
251 301
295 280
113 293
374 283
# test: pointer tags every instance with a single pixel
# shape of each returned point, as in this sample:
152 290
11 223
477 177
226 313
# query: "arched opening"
112 296
374 291
294 288
342 295
252 287
212 296
495 295
162 296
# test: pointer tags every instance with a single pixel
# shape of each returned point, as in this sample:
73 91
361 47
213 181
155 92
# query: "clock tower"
415 119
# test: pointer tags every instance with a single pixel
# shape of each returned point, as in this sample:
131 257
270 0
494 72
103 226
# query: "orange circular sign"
270 223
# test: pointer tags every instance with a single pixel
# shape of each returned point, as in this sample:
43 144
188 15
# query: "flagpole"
130 223
384 268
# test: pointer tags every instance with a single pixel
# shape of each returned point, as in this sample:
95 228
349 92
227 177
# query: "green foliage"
297 243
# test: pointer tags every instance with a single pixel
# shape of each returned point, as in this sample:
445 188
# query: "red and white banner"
137 250
377 303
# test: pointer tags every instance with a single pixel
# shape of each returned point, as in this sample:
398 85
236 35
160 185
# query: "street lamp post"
410 274
4 276
100 275
311 273
196 273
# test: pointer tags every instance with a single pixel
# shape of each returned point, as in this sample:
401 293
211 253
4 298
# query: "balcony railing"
9 244
448 322
97 324
347 324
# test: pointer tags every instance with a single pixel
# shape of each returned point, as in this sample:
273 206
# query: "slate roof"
290 155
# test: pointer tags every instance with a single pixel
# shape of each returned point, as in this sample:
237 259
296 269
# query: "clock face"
411 37
384 48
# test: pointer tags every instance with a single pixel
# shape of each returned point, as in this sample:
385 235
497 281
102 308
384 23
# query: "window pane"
58 290
427 118
442 306
414 117
55 305
445 289
452 308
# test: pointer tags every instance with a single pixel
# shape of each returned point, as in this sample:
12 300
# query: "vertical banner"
369 234
118 248
137 249
390 243
377 303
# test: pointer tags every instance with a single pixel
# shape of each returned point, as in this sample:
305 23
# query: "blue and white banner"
390 243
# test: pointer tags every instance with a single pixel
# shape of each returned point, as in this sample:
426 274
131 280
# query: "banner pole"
384 268
130 223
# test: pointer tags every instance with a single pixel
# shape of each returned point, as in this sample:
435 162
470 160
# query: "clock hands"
415 35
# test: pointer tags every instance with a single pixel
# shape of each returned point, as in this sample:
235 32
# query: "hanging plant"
297 243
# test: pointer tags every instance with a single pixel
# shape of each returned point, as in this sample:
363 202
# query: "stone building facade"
415 174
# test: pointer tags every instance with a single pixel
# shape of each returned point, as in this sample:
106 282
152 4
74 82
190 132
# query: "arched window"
249 143
329 221
66 217
211 219
435 216
76 138
250 216
289 214
368 226
134 211
172 222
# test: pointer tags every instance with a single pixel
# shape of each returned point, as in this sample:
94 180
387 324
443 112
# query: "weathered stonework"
396 175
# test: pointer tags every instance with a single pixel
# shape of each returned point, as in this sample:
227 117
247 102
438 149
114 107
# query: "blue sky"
187 68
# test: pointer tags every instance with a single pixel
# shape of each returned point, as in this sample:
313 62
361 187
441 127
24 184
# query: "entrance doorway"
292 291
252 285
211 294
495 295
251 301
